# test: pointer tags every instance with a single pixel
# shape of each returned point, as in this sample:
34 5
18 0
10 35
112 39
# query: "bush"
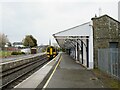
14 53
17 53
22 53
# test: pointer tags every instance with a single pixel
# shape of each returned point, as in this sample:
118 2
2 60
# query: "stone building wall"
105 30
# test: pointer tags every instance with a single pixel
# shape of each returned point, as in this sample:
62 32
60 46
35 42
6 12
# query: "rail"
13 70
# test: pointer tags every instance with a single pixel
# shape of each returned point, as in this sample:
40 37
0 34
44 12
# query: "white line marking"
32 74
52 74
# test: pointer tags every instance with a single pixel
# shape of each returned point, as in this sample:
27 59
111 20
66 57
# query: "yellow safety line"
52 73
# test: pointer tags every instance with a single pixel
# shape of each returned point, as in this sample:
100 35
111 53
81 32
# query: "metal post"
87 52
82 51
78 53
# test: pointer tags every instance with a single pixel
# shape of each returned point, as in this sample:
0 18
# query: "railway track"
13 76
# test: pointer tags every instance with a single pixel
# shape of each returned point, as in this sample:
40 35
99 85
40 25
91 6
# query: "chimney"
100 11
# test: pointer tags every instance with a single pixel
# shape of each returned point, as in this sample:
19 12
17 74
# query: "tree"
29 41
3 40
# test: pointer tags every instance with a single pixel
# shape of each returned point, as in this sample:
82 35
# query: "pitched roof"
105 16
70 28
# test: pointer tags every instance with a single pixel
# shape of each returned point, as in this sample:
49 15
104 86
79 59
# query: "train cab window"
48 49
53 50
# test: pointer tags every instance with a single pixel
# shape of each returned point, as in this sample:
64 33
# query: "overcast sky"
42 18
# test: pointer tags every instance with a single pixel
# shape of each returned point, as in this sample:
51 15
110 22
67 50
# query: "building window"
113 44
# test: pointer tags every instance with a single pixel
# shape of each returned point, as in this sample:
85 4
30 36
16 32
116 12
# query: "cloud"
42 19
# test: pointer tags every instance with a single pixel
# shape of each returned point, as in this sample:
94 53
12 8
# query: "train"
51 52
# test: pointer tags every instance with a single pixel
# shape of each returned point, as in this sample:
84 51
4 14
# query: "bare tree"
3 39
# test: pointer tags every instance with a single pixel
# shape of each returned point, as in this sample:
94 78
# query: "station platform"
70 74
66 74
38 78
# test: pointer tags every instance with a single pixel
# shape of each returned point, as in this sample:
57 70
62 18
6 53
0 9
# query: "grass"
4 54
107 80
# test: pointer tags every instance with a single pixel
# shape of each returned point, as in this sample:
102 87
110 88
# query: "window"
113 45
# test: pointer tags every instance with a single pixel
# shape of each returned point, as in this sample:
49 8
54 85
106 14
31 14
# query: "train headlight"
53 55
48 55
54 52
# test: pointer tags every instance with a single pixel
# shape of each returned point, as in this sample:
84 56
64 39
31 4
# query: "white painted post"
91 61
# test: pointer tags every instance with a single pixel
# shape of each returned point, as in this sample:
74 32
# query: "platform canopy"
66 37
78 43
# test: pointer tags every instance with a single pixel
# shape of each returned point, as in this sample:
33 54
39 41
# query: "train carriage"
51 52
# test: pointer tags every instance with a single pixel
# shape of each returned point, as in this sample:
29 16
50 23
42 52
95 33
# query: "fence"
109 61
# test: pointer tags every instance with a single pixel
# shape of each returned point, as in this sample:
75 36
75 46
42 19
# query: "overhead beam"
70 37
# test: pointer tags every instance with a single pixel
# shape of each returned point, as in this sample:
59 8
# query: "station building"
83 41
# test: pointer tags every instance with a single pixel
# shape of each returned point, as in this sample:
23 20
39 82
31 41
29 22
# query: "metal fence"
109 61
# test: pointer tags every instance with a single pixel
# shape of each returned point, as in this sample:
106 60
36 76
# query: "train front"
51 52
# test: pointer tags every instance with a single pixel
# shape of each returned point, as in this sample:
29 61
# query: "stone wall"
105 30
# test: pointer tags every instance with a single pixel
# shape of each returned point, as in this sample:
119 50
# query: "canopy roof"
67 37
